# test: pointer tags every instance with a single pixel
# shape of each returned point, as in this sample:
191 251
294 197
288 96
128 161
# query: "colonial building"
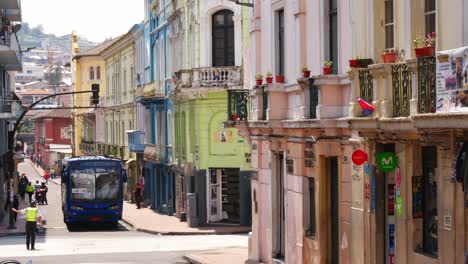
211 162
118 114
10 63
342 180
88 67
52 136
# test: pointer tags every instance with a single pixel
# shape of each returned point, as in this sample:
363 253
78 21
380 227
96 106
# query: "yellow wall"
83 83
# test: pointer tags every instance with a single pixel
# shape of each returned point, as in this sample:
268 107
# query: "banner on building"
452 80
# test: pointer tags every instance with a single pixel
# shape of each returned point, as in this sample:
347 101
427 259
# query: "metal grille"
427 84
366 85
313 101
401 82
265 104
238 104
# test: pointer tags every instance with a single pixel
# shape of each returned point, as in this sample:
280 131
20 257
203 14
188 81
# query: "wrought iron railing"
366 86
427 84
238 102
218 76
264 103
401 83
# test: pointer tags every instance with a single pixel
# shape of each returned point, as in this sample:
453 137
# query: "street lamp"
238 2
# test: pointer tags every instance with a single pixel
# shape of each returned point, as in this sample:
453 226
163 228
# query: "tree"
54 74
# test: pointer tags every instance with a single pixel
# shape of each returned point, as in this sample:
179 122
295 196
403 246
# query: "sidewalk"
149 221
234 255
20 222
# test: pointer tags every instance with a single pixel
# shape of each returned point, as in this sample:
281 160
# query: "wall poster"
452 80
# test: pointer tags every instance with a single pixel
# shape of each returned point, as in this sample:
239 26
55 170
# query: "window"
223 38
333 33
280 54
91 73
430 15
98 73
389 24
311 230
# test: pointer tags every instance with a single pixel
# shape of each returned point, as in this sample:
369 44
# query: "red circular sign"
359 157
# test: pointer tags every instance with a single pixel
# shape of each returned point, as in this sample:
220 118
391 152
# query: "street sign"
387 161
359 157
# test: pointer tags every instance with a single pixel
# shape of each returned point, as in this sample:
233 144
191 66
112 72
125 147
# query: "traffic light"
95 97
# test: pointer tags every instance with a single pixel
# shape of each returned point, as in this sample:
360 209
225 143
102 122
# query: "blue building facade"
157 154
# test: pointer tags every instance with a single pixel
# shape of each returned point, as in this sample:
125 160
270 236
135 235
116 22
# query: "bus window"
107 183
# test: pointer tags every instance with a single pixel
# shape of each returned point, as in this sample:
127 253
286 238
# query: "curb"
180 233
13 234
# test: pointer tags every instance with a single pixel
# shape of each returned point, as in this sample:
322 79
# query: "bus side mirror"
124 175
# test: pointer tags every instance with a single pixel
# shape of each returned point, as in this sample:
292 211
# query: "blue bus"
92 189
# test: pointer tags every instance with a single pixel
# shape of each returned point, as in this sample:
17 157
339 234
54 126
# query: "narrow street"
95 244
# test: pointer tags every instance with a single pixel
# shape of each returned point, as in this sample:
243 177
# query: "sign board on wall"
387 161
452 80
359 157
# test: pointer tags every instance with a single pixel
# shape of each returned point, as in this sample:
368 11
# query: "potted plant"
258 79
305 72
354 63
235 117
389 55
424 46
327 67
269 77
279 78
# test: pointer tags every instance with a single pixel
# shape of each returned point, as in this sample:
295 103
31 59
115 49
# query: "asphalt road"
100 244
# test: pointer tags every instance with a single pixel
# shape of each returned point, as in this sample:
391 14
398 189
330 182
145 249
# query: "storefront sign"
452 80
359 157
150 153
387 161
373 194
398 178
391 199
399 205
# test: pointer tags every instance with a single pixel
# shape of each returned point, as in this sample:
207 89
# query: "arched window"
223 38
91 73
98 73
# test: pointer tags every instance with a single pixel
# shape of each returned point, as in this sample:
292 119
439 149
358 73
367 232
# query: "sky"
93 19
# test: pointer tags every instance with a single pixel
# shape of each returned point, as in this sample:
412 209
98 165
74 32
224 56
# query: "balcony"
10 56
238 105
216 76
135 141
87 147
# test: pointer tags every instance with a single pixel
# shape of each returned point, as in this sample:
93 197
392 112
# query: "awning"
9 58
60 148
10 4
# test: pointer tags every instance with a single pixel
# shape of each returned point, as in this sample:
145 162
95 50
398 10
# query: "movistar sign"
387 161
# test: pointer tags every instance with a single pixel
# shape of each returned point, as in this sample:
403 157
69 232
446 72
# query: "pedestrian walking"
30 191
37 186
33 217
141 182
16 206
43 191
46 176
22 187
137 195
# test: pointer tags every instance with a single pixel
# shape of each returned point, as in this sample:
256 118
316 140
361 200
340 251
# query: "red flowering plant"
427 41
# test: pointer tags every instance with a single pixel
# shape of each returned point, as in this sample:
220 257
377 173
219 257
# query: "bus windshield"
94 181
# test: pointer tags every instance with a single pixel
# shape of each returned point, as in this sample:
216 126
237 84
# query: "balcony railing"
427 84
314 100
238 102
217 76
401 84
264 104
366 85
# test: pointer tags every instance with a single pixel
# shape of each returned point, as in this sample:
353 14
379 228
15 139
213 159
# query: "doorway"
385 211
279 204
224 195
332 208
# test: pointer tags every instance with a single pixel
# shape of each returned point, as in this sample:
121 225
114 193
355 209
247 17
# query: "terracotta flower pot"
306 74
235 117
279 78
269 79
327 70
259 82
424 51
354 63
390 57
